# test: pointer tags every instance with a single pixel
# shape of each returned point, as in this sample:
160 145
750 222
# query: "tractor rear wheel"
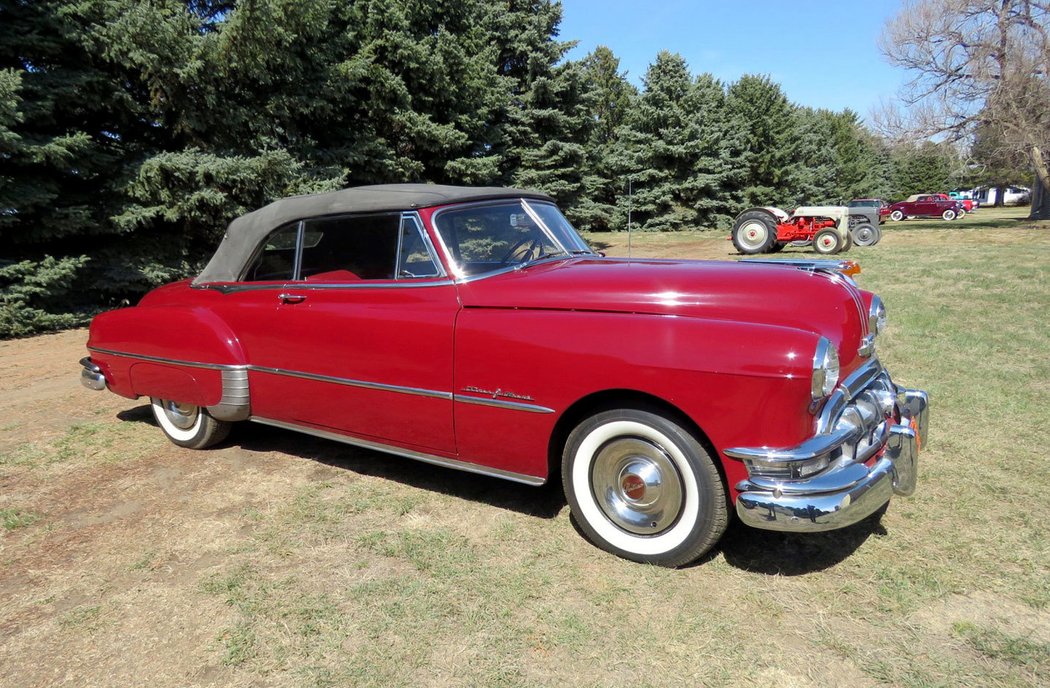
827 242
755 231
864 235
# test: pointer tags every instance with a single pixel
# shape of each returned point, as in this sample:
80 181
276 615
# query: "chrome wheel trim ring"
182 416
637 486
753 234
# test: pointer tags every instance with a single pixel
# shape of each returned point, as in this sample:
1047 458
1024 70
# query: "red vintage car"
967 204
473 328
926 205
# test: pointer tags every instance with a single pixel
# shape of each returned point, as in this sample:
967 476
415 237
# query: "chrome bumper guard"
91 375
848 490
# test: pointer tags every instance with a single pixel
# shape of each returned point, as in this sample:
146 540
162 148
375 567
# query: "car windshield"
491 237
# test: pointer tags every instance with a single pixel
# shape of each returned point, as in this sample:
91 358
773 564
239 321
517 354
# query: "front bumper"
853 486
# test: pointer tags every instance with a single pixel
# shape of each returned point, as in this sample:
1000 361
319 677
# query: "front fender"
735 380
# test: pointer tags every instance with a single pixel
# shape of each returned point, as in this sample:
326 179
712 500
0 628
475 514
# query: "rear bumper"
91 375
848 491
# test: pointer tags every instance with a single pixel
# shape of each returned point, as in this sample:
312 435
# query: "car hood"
722 290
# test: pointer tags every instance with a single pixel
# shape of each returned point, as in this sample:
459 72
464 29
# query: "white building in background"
1003 195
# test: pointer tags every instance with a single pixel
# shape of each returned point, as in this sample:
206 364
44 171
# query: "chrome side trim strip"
174 361
406 453
415 391
238 391
364 284
278 371
499 403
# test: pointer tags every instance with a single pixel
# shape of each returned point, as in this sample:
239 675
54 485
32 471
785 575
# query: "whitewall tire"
642 487
187 425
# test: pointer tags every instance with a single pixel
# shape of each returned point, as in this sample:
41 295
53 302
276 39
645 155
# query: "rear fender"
185 354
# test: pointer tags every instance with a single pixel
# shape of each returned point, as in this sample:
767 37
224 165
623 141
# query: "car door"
361 340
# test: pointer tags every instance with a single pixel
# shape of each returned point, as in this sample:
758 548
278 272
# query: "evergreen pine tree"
763 112
610 98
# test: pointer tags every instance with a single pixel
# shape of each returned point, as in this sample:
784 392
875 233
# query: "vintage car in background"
473 328
968 204
926 205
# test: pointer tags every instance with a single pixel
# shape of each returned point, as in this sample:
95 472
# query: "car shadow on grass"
750 549
545 501
793 554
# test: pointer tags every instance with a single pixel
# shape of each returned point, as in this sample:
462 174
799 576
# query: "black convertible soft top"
244 234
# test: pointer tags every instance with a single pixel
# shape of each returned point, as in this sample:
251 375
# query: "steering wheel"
531 243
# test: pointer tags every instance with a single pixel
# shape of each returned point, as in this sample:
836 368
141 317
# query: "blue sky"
822 53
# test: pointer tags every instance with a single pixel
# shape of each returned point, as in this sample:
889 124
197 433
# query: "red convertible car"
473 328
926 205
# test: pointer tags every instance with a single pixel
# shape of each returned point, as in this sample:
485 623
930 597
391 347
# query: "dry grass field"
283 560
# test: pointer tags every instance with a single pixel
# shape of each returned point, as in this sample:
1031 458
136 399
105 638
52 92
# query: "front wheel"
642 487
827 242
896 216
948 215
187 425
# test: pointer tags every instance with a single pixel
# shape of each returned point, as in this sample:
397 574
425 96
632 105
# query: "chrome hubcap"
637 486
753 234
182 416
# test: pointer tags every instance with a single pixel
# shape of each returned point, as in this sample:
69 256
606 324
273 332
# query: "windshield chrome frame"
454 269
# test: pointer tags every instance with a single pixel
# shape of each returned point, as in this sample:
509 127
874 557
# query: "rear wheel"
896 216
642 487
948 215
187 425
865 235
827 242
755 231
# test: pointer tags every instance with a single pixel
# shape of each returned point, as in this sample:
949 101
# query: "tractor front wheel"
755 231
827 242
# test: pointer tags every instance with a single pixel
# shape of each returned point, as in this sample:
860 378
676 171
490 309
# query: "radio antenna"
629 198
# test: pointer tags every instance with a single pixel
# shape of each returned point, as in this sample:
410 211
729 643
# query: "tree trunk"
1041 191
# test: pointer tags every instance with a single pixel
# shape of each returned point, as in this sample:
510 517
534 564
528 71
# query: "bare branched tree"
976 63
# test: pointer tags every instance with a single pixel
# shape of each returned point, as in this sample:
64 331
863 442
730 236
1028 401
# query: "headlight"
825 369
876 316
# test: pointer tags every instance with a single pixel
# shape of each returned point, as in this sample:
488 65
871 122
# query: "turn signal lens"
850 268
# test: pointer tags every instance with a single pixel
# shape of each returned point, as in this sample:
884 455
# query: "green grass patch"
16 518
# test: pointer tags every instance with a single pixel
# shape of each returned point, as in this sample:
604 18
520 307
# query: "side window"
275 259
350 248
414 259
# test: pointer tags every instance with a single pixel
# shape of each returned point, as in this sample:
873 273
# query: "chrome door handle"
292 298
